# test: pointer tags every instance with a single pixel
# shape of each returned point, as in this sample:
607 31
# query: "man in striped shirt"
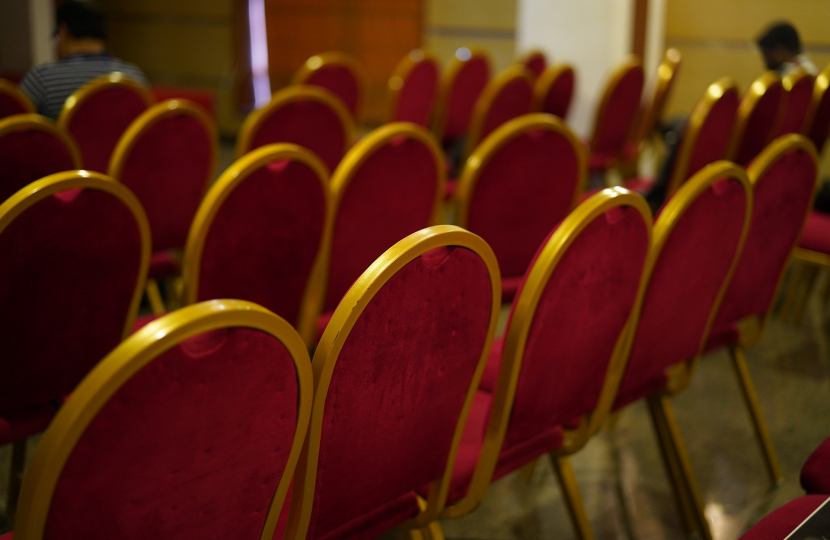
81 33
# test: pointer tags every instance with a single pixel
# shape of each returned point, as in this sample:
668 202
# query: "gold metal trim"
335 58
111 80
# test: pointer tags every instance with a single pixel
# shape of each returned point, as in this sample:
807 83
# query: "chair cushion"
7 536
782 521
509 287
163 264
816 235
14 427
815 475
491 371
599 161
640 185
722 336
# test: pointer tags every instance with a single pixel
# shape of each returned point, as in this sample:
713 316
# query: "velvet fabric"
780 205
396 393
620 113
339 80
9 106
820 123
560 95
168 169
390 196
536 64
29 155
309 123
99 121
781 522
67 280
815 475
816 235
163 264
683 287
522 192
464 91
190 447
416 98
514 99
205 98
15 427
760 124
264 238
796 105
715 135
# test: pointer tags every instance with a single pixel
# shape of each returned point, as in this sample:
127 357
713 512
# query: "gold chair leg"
154 296
792 290
526 472
432 531
679 467
18 462
751 399
573 500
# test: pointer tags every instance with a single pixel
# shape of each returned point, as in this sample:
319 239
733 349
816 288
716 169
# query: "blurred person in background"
782 51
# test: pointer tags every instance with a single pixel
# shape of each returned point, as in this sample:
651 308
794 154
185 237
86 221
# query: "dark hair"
781 34
82 20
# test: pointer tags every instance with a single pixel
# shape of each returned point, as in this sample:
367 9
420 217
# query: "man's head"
779 44
80 28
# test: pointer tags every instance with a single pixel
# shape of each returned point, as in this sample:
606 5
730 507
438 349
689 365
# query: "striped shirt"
48 85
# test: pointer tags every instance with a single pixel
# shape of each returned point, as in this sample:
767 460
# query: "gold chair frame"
336 334
545 81
403 69
630 63
335 58
287 96
112 80
749 101
525 57
217 194
13 91
819 90
125 361
447 85
790 81
36 122
485 102
663 84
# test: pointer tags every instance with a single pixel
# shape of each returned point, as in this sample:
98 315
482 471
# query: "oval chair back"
535 61
757 117
817 125
99 113
191 428
261 234
167 158
307 116
31 147
508 95
554 90
518 184
339 73
616 114
798 93
413 88
663 84
396 372
390 184
783 178
708 133
13 100
564 349
462 84
75 248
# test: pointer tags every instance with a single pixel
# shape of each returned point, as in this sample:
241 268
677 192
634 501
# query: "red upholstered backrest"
796 104
462 94
192 446
69 267
512 100
382 199
685 280
11 104
581 313
820 122
523 189
535 63
340 80
98 121
759 121
264 238
618 110
714 136
557 100
781 201
416 97
28 154
396 393
168 167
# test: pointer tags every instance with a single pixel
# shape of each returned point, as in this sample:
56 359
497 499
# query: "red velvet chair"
462 84
74 248
815 474
31 147
339 73
535 61
809 259
817 125
396 373
507 96
13 101
554 89
304 115
262 233
518 184
191 428
697 241
616 116
390 184
99 113
757 117
413 88
783 179
551 379
798 94
784 520
167 157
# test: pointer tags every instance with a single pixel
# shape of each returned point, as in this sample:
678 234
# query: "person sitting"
781 49
81 34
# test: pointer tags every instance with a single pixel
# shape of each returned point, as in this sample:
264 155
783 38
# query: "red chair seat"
815 475
782 521
205 98
509 288
599 162
163 264
640 185
491 371
15 427
450 186
721 337
816 235
7 536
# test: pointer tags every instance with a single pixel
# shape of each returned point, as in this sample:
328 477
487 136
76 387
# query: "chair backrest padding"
413 88
463 83
506 96
554 90
13 100
337 72
818 117
757 117
799 93
618 108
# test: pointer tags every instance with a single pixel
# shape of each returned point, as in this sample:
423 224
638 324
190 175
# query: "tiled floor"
620 473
